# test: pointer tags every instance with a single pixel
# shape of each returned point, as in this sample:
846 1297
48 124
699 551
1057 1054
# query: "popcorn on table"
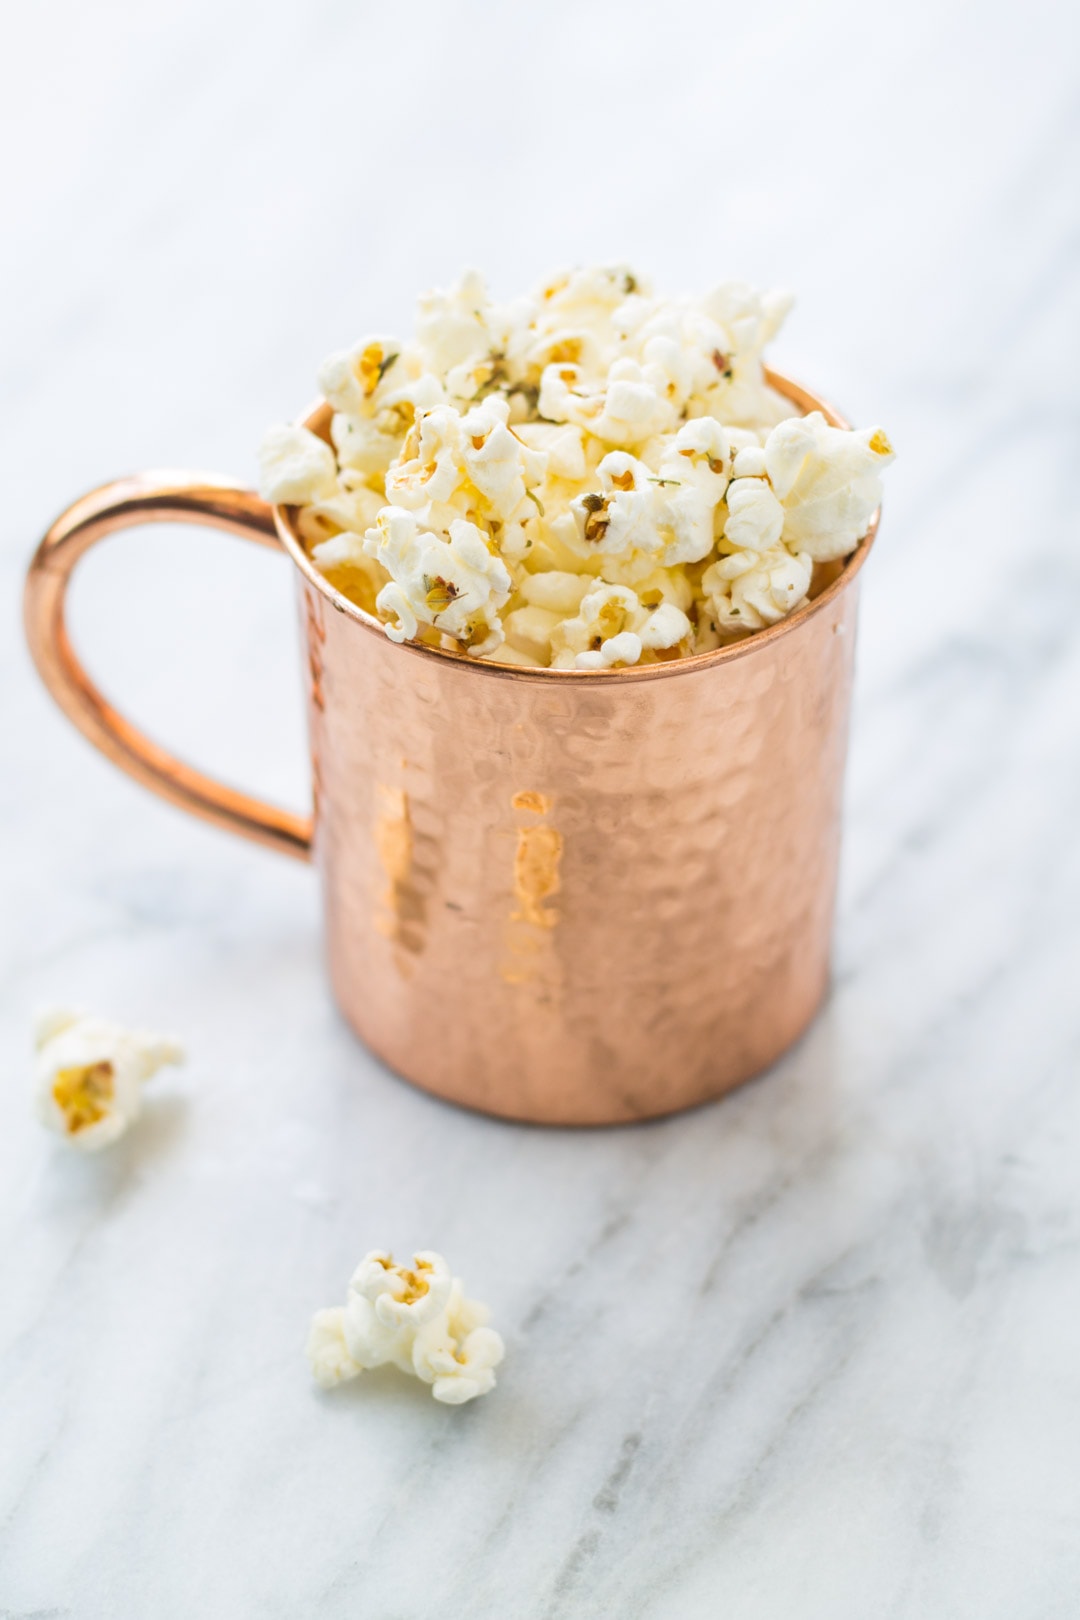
587 478
90 1075
414 1317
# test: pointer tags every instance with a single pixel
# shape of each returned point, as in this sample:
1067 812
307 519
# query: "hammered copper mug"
562 896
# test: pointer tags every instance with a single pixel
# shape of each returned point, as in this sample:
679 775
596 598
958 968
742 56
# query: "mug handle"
151 497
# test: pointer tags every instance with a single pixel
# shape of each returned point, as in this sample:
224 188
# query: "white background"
873 1408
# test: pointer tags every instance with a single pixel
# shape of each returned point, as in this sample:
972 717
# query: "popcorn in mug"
588 478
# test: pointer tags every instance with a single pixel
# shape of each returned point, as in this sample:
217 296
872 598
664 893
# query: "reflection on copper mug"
562 896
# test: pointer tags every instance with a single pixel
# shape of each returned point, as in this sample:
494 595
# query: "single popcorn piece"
455 584
666 627
755 519
416 1318
456 1352
557 592
351 381
499 464
602 632
622 516
450 326
350 512
482 481
750 589
529 630
829 482
429 466
563 445
387 1304
90 1074
295 465
327 1349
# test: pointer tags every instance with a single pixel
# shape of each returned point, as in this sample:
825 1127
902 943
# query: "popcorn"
328 1351
634 407
416 1318
751 589
499 464
456 1352
387 1304
623 518
349 512
351 381
296 466
492 486
429 466
602 632
829 482
450 326
661 585
565 395
693 476
755 519
624 648
561 443
560 593
455 584
366 447
90 1074
665 628
529 629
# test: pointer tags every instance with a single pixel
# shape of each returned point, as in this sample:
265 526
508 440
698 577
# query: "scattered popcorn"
456 1352
590 444
90 1075
415 1317
328 1350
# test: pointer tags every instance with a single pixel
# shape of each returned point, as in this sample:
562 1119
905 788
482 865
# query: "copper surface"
150 497
555 895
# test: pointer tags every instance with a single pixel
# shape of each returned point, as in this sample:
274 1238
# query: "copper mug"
560 896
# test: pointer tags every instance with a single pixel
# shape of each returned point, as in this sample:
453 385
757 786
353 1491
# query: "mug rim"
316 420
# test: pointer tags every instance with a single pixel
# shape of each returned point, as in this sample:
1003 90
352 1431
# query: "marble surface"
814 1352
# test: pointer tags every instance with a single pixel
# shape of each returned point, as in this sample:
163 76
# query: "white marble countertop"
811 1353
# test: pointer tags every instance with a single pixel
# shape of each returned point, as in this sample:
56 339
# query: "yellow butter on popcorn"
90 1074
591 477
415 1318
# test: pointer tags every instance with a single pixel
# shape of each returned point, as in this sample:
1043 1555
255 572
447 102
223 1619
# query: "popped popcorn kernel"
295 465
90 1074
349 381
456 1352
327 1350
484 479
415 1318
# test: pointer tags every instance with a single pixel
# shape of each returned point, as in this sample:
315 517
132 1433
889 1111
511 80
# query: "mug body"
555 895
572 898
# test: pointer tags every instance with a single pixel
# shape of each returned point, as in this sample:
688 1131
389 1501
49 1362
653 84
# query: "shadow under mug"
559 896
